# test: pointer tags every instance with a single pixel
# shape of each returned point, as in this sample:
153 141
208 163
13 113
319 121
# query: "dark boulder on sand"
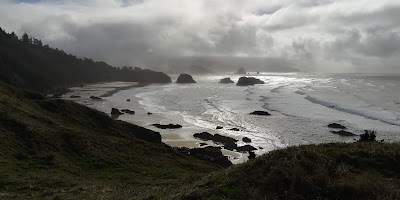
336 125
168 126
246 81
228 142
204 136
241 71
210 154
262 113
246 139
149 113
343 133
95 98
115 111
226 81
219 127
185 78
131 112
234 129
246 148
128 100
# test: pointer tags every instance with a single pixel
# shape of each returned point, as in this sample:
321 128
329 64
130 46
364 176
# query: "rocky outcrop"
131 112
210 154
219 127
248 81
149 113
246 140
228 142
262 113
336 125
343 133
95 98
128 100
168 126
241 71
185 78
226 81
115 111
246 148
234 129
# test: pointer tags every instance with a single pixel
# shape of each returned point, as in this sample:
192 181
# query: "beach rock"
343 133
185 78
246 81
230 146
226 81
241 71
204 136
245 148
262 113
115 111
149 113
131 112
74 96
95 98
336 125
252 155
246 139
219 127
234 129
210 154
228 142
128 100
169 126
224 139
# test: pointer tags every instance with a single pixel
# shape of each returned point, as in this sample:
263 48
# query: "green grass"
59 149
364 170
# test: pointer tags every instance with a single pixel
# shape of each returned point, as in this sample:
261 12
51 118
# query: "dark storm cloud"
322 35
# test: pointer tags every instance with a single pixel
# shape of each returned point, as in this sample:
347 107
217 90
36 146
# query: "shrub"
368 136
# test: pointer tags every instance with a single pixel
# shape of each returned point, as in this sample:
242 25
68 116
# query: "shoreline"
174 138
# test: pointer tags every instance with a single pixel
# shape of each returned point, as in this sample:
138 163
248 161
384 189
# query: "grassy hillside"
54 148
364 170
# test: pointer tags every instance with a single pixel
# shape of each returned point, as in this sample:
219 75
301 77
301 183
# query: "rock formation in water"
262 113
246 81
226 81
185 78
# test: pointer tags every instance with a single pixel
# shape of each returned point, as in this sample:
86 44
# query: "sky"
361 36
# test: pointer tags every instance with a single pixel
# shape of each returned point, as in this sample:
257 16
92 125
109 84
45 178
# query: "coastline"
174 138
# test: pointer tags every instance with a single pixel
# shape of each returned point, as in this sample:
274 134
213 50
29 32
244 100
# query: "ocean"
301 107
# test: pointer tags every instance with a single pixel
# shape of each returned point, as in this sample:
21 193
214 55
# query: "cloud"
309 35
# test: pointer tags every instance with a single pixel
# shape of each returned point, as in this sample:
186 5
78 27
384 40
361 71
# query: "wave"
395 118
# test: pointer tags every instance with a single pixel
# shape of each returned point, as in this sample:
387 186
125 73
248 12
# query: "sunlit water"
302 105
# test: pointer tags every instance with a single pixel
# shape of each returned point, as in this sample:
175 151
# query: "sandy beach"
174 138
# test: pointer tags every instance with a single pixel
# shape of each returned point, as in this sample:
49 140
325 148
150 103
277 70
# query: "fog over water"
289 35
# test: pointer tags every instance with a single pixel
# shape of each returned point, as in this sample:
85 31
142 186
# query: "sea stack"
241 71
185 78
246 81
226 81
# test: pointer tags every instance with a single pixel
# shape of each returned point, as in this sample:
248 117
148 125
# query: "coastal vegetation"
26 62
